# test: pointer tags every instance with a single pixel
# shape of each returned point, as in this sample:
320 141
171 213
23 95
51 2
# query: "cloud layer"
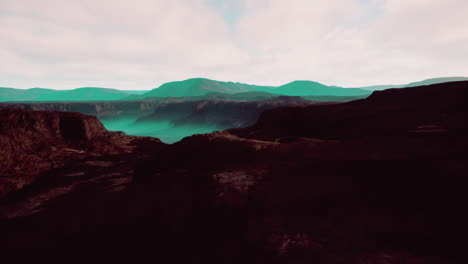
140 44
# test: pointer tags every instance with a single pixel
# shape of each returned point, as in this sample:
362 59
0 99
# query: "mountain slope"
200 86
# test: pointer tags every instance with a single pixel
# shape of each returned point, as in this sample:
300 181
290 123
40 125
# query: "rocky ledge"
32 142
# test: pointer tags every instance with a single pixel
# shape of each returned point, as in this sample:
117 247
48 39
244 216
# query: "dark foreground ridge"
373 181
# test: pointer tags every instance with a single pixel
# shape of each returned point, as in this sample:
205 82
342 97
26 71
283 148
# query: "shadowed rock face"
50 125
393 112
380 180
221 113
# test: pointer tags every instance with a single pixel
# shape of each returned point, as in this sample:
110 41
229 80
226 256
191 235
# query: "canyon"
375 180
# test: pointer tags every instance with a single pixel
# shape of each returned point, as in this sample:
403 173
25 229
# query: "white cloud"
140 44
361 43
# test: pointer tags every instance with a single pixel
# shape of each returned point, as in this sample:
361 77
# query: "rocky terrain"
32 142
171 119
380 180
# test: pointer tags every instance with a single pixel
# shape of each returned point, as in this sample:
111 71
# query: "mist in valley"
165 130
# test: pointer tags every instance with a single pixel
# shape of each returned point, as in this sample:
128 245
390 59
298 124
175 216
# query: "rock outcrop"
32 142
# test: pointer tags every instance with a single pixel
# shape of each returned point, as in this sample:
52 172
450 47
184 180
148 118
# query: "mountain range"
202 87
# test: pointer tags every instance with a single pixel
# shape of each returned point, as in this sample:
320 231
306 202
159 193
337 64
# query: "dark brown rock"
32 142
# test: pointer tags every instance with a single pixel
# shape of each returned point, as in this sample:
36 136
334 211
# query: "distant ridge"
436 81
79 94
420 83
203 87
309 88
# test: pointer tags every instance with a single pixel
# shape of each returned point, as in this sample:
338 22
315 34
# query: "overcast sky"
140 44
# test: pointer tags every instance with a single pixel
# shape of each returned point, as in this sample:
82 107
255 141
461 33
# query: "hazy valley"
179 109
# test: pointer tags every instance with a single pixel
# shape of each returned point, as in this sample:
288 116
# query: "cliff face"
32 142
28 138
32 126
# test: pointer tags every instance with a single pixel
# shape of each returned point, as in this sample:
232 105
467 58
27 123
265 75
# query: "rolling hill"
308 88
199 86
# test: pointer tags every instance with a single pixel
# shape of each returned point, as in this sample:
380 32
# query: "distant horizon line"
203 78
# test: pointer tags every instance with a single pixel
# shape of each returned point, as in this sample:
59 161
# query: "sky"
140 44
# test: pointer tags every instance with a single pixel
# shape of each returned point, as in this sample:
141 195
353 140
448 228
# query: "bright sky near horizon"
140 44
